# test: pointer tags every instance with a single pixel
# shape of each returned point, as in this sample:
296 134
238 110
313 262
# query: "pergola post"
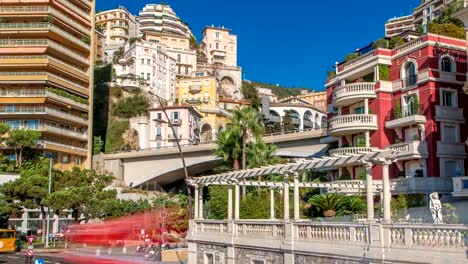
236 201
272 203
387 196
229 215
200 202
286 197
369 192
296 197
196 202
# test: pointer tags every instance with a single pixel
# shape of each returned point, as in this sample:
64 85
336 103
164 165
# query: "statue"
436 208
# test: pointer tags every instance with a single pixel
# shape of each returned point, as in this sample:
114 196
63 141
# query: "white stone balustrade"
410 150
351 93
349 124
450 149
259 229
429 236
351 151
451 114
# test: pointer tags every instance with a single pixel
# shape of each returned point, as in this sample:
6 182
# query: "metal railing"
35 57
409 81
405 111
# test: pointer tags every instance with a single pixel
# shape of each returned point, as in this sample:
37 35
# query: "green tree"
287 122
20 140
399 207
82 192
396 41
4 128
250 93
98 145
260 154
30 190
447 29
229 145
130 107
380 43
249 122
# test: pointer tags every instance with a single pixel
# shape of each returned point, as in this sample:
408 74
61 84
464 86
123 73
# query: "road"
18 258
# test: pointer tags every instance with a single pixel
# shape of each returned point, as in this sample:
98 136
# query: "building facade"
219 46
303 116
117 25
145 65
161 19
268 93
178 47
414 108
316 99
46 74
398 25
185 120
99 46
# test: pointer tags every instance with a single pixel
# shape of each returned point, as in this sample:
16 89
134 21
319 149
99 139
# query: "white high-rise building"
145 65
161 18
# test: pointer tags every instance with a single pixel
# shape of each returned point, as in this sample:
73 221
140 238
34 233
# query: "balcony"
449 114
194 101
49 145
37 93
119 26
195 88
351 151
406 116
460 186
42 110
353 93
118 35
410 150
75 9
352 124
171 137
450 150
176 122
63 132
421 185
130 84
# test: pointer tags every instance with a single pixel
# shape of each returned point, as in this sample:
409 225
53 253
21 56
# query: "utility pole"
189 191
51 157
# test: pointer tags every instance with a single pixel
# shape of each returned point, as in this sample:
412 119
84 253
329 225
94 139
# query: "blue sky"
293 42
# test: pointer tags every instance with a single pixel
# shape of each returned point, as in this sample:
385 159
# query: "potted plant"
329 204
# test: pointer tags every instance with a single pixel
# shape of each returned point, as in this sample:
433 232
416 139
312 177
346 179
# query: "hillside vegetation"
280 91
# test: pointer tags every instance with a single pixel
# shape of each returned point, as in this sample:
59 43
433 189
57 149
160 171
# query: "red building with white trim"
408 99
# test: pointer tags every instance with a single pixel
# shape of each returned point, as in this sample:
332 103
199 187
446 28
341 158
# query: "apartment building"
161 19
117 25
145 65
99 46
427 11
265 92
185 120
414 110
178 47
219 46
46 59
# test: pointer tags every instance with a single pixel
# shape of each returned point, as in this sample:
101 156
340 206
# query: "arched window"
410 74
446 64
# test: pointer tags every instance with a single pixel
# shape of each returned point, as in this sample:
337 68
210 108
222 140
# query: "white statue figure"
436 208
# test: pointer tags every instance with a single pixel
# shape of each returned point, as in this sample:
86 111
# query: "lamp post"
51 157
189 191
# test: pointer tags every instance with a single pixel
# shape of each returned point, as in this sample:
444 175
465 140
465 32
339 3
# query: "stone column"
387 196
200 202
195 213
296 197
272 203
369 192
367 138
229 215
236 202
286 197
376 73
366 106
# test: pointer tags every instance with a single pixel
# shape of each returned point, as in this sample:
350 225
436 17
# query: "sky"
292 43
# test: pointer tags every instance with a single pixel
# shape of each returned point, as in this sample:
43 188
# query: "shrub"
68 95
351 56
396 41
399 207
86 39
130 107
447 29
384 74
331 73
380 43
116 92
114 140
397 110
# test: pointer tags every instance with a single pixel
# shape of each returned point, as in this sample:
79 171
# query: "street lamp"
189 191
51 157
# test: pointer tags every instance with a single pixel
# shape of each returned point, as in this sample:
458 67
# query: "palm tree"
261 154
328 204
249 122
229 148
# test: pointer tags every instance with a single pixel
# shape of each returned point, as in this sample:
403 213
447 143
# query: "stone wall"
219 253
303 259
244 255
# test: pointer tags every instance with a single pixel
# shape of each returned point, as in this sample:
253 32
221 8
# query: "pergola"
236 179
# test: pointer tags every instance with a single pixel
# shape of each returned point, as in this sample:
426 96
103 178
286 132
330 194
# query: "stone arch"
447 63
317 121
206 133
227 80
307 120
409 72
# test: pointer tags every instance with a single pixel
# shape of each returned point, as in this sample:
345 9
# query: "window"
446 64
10 108
14 124
175 115
148 61
217 46
176 131
199 74
217 35
186 70
142 75
450 133
359 110
412 105
142 61
78 160
32 124
410 74
465 184
257 261
65 158
159 116
158 133
448 98
209 258
179 58
148 76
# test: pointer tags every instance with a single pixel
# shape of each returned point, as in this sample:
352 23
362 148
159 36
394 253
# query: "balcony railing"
351 93
195 88
446 149
171 137
75 9
450 114
350 151
63 131
460 186
176 122
352 123
409 81
40 93
410 150
26 110
45 144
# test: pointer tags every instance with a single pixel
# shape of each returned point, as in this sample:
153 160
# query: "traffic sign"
30 239
39 261
30 252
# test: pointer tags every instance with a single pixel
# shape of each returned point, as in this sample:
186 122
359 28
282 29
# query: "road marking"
11 257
